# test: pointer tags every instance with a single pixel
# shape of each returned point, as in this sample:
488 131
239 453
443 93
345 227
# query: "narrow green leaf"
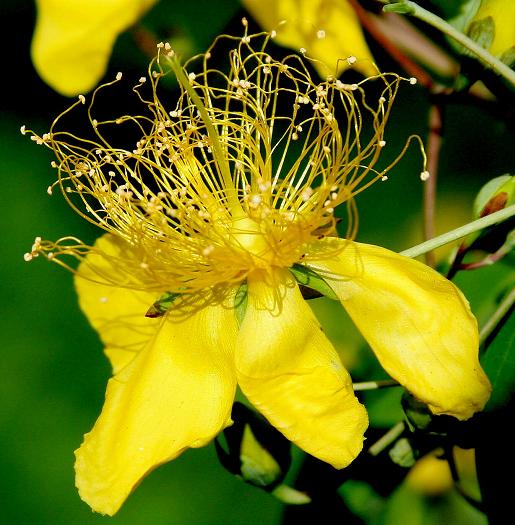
499 364
240 302
162 305
311 279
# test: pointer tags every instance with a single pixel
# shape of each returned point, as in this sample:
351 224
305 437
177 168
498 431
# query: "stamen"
208 191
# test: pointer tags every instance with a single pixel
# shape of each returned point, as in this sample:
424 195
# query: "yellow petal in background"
289 370
503 15
416 321
117 314
73 39
431 475
175 394
329 30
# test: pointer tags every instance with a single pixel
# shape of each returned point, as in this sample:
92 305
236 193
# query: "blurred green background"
53 372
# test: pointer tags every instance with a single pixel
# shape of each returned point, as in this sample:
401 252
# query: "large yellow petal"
73 39
117 314
289 370
329 30
176 393
416 321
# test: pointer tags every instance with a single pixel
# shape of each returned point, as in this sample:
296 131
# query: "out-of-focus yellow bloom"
73 39
430 475
503 15
228 194
328 30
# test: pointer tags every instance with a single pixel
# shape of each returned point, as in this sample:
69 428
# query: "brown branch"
433 147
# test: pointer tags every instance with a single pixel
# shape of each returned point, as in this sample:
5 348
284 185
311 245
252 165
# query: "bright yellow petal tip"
328 32
170 392
417 322
72 40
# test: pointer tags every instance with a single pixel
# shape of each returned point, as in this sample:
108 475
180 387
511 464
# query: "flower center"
247 234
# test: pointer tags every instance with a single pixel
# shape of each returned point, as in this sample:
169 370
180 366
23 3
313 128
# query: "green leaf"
162 305
404 506
309 278
499 364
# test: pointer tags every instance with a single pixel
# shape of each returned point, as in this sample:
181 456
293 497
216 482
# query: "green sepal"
162 305
256 451
258 467
402 453
240 302
310 279
508 57
482 32
442 428
418 415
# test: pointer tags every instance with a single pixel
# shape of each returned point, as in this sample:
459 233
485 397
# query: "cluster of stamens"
242 172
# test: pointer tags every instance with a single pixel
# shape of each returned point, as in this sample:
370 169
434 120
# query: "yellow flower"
226 196
328 30
73 39
502 13
431 475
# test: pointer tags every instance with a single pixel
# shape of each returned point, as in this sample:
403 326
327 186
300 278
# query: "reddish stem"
411 67
433 147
